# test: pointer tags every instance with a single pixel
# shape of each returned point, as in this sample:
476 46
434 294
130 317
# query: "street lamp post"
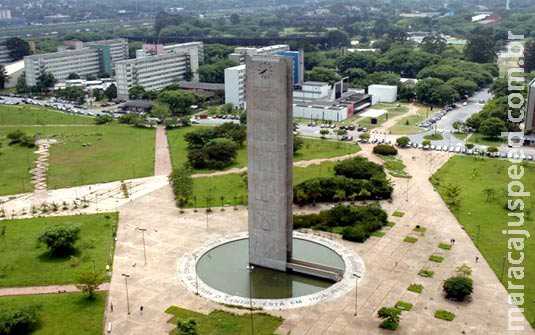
407 194
357 277
250 268
143 230
94 266
126 286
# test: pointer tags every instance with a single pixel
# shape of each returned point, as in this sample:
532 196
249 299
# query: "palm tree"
222 198
208 199
235 206
195 203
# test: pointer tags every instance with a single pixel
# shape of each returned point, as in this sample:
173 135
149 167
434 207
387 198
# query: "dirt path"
162 157
45 289
413 110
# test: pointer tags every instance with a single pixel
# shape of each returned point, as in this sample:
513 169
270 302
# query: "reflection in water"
224 268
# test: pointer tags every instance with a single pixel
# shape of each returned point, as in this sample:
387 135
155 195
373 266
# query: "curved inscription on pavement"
353 264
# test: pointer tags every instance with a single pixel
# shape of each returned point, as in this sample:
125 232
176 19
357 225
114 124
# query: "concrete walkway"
391 266
45 289
162 157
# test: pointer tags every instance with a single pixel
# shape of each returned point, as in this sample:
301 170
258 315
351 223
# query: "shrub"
426 273
187 327
60 240
182 184
103 119
418 288
355 234
469 145
436 259
404 306
445 246
458 288
20 137
410 239
386 150
402 141
391 317
444 315
359 168
18 320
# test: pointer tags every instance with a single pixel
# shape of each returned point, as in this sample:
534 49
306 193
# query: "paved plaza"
391 266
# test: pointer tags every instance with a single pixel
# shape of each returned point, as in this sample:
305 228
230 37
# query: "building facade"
239 55
195 50
235 86
84 59
83 62
152 72
4 55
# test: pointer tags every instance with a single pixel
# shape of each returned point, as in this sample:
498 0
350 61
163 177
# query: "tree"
60 240
215 72
480 49
458 288
298 144
3 77
424 88
220 152
45 81
464 270
443 94
19 319
458 125
492 127
322 74
406 91
22 86
337 38
73 75
188 75
391 317
18 48
187 327
402 141
160 110
182 184
464 87
89 281
136 92
179 102
234 18
111 92
434 44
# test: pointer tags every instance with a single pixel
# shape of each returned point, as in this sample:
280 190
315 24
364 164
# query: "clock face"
265 70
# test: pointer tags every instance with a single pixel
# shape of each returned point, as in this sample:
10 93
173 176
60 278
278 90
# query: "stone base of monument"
321 269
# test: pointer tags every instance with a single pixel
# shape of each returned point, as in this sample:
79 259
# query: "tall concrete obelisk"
270 157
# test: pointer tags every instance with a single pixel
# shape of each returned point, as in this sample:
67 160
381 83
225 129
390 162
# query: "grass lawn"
234 185
312 149
38 115
460 136
15 164
63 313
434 137
116 152
224 323
27 263
490 142
491 215
393 111
410 124
395 166
417 288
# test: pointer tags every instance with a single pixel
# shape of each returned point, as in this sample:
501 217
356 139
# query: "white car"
465 103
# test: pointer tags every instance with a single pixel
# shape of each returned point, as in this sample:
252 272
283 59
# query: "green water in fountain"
224 268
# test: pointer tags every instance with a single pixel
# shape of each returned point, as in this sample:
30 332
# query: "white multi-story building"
240 53
4 55
118 48
5 14
152 72
235 86
90 58
83 62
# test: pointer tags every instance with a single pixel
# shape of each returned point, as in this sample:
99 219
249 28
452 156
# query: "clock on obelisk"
270 158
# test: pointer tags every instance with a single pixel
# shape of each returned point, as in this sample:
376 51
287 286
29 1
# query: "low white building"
13 72
383 93
235 86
